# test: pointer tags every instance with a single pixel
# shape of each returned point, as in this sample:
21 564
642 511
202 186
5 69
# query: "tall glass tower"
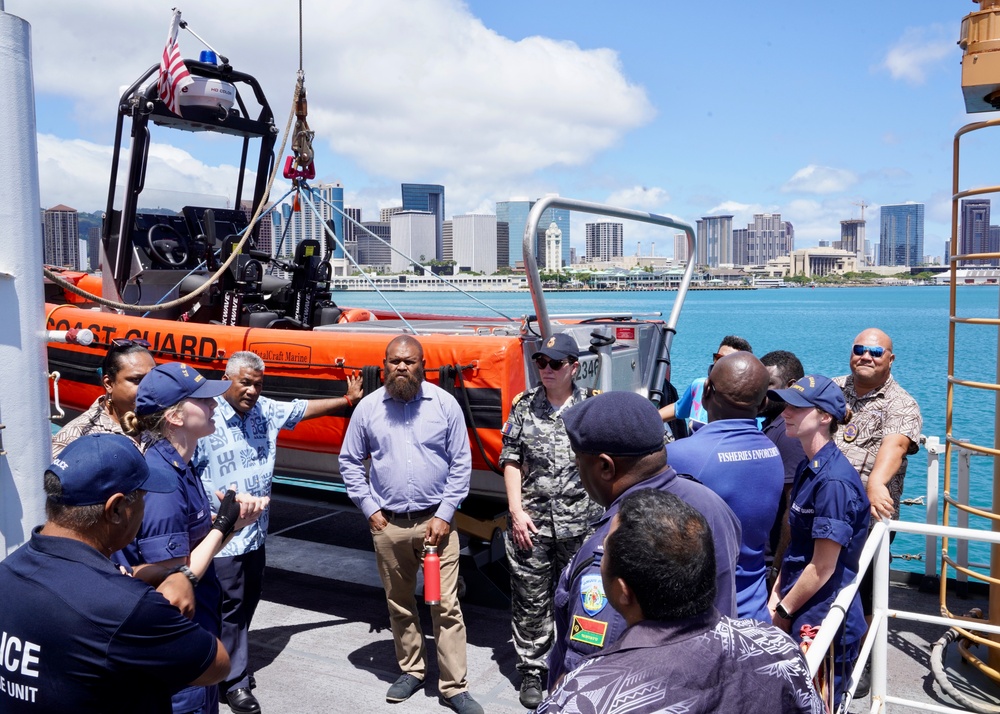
515 214
901 234
427 197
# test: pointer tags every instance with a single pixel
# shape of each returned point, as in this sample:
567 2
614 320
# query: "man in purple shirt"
414 433
678 653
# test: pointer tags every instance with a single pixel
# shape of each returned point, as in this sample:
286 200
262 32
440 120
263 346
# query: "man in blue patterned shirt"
679 653
240 455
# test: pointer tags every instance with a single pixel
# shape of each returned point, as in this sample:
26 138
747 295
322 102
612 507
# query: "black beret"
614 423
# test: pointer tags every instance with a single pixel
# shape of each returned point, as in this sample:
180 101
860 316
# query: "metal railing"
876 645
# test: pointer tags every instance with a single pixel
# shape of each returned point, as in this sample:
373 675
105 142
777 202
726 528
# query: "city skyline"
429 109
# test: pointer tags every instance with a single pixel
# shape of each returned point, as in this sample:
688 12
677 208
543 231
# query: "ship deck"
321 640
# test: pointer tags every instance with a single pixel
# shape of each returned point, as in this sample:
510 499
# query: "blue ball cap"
614 423
814 390
94 467
558 346
168 384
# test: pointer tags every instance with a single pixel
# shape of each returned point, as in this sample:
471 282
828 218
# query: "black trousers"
242 579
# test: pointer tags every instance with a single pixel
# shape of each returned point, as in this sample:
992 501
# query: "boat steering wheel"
173 251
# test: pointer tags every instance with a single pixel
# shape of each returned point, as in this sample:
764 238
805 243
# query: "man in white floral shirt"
240 455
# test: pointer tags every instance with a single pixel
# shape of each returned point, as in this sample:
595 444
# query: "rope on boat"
115 305
937 667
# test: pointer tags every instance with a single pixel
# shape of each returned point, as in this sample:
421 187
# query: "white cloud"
640 198
918 51
67 171
820 179
403 91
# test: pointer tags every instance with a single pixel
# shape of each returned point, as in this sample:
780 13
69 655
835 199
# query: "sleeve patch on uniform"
588 631
592 596
507 429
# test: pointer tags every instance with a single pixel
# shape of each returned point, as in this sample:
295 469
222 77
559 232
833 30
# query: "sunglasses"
553 364
128 342
874 350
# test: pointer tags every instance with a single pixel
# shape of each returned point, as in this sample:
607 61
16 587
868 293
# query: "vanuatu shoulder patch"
592 595
588 631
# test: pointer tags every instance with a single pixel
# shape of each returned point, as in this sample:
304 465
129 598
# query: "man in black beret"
618 441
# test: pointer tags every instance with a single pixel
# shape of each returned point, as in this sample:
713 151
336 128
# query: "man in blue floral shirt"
240 455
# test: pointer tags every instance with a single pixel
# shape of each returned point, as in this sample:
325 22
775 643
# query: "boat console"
155 256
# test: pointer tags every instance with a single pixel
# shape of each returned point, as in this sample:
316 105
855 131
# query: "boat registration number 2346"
589 367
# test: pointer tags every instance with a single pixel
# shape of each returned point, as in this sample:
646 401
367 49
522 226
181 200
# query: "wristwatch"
781 612
187 572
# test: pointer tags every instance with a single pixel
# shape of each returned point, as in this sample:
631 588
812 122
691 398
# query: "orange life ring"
355 314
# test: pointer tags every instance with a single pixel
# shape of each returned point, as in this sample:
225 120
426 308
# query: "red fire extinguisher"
432 575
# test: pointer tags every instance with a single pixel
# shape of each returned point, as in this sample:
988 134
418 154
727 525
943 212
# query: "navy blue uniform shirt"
173 525
734 459
79 636
585 622
828 501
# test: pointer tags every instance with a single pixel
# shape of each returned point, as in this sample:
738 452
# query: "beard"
404 387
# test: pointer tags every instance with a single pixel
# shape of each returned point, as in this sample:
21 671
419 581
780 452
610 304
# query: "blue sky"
685 108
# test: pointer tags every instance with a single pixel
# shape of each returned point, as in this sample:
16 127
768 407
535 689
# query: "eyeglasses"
874 350
128 342
716 357
553 364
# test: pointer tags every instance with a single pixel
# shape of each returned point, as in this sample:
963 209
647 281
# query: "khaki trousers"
399 549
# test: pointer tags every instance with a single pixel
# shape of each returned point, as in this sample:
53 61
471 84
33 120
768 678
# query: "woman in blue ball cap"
828 519
173 410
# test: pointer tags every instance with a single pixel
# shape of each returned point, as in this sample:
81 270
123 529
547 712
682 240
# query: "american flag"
174 75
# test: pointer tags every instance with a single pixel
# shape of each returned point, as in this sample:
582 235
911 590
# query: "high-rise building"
715 241
680 248
901 234
503 244
741 246
427 197
386 214
475 242
515 214
447 241
297 226
61 236
974 230
371 251
351 231
605 241
767 239
413 234
94 247
852 236
265 234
